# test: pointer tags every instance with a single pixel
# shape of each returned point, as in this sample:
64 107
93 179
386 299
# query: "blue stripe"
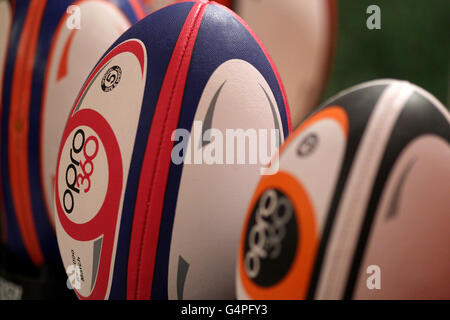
14 240
211 49
159 33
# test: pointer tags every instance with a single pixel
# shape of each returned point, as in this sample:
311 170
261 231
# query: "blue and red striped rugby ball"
139 225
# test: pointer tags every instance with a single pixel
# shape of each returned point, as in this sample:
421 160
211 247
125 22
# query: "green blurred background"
413 44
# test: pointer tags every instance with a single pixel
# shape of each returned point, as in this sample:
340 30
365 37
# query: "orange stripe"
138 9
18 129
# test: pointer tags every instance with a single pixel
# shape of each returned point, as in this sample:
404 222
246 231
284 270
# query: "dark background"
413 44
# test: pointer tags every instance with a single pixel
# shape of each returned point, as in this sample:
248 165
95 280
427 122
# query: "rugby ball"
160 203
359 208
300 37
52 48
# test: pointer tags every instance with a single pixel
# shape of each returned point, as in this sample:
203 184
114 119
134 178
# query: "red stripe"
62 68
275 71
138 9
155 169
19 129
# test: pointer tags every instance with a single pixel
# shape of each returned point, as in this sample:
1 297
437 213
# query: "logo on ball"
271 239
111 78
307 145
82 154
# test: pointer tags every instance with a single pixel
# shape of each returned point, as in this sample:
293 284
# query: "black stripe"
418 117
358 105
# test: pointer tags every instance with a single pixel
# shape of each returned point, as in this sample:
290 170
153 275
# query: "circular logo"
270 239
111 78
307 145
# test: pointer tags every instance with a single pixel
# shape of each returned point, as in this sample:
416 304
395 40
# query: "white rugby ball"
360 206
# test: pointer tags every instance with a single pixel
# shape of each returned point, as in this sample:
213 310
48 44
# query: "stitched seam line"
163 131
